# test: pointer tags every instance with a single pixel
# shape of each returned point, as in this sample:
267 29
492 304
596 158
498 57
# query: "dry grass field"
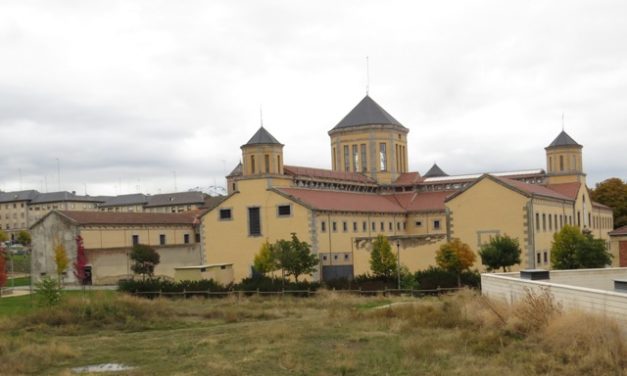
332 334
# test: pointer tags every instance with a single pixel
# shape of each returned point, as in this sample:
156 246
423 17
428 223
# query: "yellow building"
108 239
369 191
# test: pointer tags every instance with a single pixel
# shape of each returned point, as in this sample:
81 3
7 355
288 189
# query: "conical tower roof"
262 137
367 112
434 172
563 139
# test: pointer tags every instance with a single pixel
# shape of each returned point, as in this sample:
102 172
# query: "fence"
296 293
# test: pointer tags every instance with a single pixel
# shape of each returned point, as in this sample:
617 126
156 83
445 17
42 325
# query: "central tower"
370 141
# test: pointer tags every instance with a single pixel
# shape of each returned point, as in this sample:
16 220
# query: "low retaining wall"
510 288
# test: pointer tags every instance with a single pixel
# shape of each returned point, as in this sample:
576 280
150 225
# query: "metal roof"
177 198
367 112
18 195
130 199
563 139
62 196
262 137
434 171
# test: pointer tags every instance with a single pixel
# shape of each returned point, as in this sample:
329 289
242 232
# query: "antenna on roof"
562 121
261 115
367 75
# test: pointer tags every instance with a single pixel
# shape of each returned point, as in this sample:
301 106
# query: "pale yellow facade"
13 217
525 207
378 151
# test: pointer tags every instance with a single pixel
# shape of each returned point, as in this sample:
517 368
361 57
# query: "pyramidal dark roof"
434 171
367 112
262 137
563 139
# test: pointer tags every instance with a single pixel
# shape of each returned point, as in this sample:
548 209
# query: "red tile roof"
319 173
600 205
619 231
343 201
533 189
567 189
113 218
422 201
408 178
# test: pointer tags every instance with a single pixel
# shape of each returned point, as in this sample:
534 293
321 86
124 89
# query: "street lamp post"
398 263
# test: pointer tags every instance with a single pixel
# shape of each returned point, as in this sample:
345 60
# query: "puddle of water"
106 367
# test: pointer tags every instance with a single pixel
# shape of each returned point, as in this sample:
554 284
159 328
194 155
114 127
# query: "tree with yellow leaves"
61 260
455 256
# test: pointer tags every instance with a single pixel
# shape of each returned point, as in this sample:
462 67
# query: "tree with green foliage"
3 236
144 258
572 249
61 261
48 292
455 256
265 260
23 237
500 252
382 260
294 257
613 193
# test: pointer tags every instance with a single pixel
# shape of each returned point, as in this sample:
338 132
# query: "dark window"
284 210
334 226
254 222
344 226
374 226
546 257
135 239
346 256
550 222
252 164
364 226
225 214
538 257
538 221
162 239
436 224
354 226
197 238
364 163
543 222
186 238
418 223
382 226
347 160
404 225
267 163
555 221
579 219
398 226
323 226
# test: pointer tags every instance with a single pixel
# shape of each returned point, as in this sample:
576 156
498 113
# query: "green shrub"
168 286
48 292
434 277
266 284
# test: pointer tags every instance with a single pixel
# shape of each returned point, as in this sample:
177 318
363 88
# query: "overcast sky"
126 95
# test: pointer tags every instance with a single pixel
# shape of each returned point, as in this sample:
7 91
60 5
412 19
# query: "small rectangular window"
546 257
436 224
382 226
254 222
186 238
550 222
398 226
390 228
538 221
538 258
354 226
323 226
225 214
543 222
334 226
364 226
344 226
197 238
418 223
162 239
135 239
374 226
284 210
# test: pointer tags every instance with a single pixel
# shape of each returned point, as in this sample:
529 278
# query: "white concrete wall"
510 288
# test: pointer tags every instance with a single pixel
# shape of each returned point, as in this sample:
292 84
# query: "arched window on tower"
561 163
